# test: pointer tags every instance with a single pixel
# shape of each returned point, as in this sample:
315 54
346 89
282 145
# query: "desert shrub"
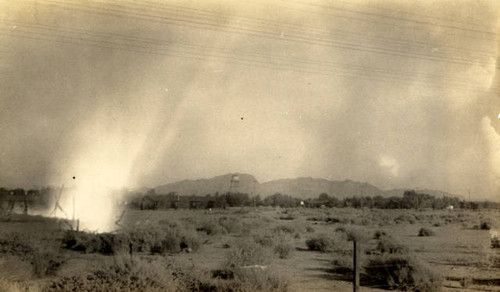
402 272
379 234
224 280
247 265
341 229
485 225
16 244
169 242
357 234
284 249
264 240
140 239
284 229
105 243
241 211
466 281
46 262
495 241
343 264
425 232
257 279
212 227
309 229
387 244
175 224
191 279
315 219
405 218
12 286
44 259
232 225
174 240
361 221
121 273
158 239
223 225
327 219
245 254
287 217
334 220
320 243
190 240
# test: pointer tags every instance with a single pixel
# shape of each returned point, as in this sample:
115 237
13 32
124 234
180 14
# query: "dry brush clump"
405 218
281 240
158 239
392 266
222 225
426 232
320 243
264 240
328 243
246 254
35 249
283 246
495 241
401 272
486 224
119 273
249 265
286 229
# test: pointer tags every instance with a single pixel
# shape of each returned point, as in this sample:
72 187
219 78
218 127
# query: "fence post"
355 280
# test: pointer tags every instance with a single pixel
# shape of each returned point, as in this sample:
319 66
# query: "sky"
399 94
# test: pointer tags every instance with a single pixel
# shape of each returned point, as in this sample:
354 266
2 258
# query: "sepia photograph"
240 146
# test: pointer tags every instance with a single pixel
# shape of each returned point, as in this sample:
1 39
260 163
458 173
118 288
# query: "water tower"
234 183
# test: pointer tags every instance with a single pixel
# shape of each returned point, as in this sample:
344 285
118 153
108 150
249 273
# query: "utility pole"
254 194
355 280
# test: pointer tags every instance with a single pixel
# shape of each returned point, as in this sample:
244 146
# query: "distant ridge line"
301 187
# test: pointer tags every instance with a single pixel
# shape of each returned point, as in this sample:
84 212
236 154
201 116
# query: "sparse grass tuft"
284 229
284 249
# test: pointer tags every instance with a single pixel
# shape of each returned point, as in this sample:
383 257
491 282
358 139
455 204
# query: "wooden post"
355 280
73 217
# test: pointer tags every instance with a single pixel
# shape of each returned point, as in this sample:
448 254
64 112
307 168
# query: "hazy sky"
133 93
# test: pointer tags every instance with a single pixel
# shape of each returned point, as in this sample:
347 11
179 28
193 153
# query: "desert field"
255 249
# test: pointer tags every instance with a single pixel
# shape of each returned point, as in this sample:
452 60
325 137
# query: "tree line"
411 199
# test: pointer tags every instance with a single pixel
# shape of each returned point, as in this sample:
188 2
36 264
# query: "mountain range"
303 187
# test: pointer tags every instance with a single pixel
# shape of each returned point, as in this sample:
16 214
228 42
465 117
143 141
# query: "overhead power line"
399 18
303 39
162 47
419 15
301 28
